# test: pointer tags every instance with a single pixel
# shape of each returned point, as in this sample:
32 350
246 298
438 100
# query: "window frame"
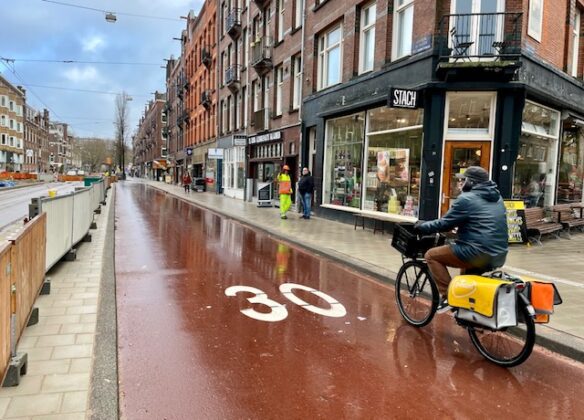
490 135
298 15
297 81
279 90
323 53
397 31
280 9
363 30
576 33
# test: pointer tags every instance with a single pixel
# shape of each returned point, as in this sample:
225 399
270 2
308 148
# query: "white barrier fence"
69 218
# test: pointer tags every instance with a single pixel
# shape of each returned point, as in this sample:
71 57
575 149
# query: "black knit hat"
474 173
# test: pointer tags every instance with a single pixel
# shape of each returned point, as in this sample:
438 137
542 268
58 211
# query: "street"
14 202
196 341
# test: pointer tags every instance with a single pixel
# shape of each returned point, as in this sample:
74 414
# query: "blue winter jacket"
481 220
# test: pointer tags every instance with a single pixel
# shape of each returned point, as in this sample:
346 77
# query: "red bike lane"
191 345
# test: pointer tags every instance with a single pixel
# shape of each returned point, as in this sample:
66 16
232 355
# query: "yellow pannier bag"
483 300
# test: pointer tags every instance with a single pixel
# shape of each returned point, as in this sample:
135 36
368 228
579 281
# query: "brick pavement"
558 260
60 346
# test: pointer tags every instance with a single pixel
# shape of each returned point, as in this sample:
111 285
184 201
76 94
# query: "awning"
159 164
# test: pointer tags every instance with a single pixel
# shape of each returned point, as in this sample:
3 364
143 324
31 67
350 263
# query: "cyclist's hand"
417 225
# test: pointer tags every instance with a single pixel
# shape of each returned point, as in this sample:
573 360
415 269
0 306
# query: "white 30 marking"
278 311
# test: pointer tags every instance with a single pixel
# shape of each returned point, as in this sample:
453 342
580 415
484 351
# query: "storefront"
571 164
233 165
266 157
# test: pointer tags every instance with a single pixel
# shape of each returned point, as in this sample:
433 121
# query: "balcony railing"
261 119
206 98
261 54
480 38
206 56
233 23
233 77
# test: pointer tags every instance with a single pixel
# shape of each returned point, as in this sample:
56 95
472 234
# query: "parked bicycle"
506 338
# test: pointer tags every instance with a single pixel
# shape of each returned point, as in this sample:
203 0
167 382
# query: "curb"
557 341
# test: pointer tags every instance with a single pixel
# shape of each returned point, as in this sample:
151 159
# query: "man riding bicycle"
480 216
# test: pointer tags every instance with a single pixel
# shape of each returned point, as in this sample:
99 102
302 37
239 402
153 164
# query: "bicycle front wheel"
416 293
509 347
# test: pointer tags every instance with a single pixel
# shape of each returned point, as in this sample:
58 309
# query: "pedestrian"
186 181
285 190
306 189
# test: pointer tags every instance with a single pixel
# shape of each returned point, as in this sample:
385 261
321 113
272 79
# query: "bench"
379 219
564 215
535 224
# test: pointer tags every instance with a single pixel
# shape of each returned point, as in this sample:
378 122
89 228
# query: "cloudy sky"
40 30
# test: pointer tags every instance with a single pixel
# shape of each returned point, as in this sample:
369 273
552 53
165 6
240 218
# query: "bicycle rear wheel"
416 293
509 347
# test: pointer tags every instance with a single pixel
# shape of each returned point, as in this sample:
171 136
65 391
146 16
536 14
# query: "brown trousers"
439 259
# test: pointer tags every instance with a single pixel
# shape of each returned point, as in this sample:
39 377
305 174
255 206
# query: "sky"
40 30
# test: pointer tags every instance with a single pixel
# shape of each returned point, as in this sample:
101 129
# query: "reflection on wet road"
187 351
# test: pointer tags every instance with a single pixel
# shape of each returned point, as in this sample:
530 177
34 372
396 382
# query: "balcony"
261 55
233 23
206 57
261 120
182 118
470 45
206 99
233 77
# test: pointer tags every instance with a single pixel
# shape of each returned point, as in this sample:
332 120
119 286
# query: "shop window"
394 156
470 115
535 168
571 169
344 141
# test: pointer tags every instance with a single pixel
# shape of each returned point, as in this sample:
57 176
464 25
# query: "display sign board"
404 98
239 140
276 135
264 194
516 223
189 151
215 153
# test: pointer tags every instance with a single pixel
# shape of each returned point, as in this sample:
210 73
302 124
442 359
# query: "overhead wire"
40 60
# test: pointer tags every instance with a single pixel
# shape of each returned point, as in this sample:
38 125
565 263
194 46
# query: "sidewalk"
558 260
61 346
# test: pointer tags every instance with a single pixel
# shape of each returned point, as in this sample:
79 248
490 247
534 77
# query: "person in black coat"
306 189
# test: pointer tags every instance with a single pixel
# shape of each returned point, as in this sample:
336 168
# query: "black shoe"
443 305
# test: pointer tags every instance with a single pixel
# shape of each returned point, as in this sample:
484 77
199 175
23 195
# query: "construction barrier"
17 175
22 271
67 178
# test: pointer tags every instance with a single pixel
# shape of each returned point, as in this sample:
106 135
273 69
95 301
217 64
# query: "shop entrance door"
459 155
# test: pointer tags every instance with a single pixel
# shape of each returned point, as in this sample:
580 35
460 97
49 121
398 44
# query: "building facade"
200 95
148 144
12 103
172 132
36 140
60 147
400 96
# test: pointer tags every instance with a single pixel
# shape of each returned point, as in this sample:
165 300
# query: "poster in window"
535 19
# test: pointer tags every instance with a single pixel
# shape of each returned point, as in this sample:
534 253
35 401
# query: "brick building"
36 140
200 95
12 102
172 132
399 96
148 144
60 147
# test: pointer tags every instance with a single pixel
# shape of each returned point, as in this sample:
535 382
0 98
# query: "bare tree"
94 152
122 128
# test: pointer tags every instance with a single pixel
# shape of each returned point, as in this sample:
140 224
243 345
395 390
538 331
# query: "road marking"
544 277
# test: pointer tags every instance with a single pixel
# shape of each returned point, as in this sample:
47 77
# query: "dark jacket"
481 219
306 184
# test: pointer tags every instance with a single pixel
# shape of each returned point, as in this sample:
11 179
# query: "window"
257 95
244 106
3 120
11 141
298 13
237 110
571 170
266 100
344 140
297 85
229 108
279 88
329 58
223 116
470 114
12 124
280 11
403 18
244 49
3 100
535 19
367 38
534 174
11 107
576 43
3 138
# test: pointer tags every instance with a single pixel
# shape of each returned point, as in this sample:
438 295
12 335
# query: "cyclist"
479 214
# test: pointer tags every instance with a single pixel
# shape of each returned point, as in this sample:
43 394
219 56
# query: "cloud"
86 74
92 43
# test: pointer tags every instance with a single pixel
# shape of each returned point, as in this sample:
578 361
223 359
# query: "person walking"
186 181
306 189
285 190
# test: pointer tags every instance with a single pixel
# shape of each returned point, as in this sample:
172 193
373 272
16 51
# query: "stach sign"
404 98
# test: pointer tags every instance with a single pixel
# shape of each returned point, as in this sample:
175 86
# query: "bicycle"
417 300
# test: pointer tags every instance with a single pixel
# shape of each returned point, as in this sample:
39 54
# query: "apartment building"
401 95
259 90
200 94
60 147
172 132
12 102
148 143
36 140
